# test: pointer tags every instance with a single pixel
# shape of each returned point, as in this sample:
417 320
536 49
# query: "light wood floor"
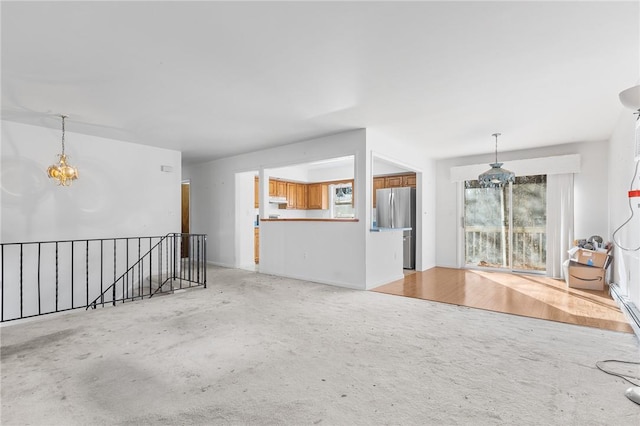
526 295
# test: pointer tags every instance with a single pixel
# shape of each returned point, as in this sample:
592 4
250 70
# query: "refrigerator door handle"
391 205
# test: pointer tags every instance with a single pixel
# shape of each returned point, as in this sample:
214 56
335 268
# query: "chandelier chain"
63 117
495 135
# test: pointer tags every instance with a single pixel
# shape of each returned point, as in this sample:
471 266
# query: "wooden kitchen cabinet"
318 196
256 192
256 244
393 181
378 183
302 193
272 188
281 188
292 192
409 180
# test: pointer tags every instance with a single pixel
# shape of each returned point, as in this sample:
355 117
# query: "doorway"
186 198
505 227
246 211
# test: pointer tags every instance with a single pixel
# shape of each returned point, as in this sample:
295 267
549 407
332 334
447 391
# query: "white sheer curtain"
559 221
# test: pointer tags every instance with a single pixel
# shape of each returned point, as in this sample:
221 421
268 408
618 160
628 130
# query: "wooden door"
256 192
185 188
256 245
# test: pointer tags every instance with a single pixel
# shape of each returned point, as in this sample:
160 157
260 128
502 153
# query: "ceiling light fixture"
630 98
496 176
62 171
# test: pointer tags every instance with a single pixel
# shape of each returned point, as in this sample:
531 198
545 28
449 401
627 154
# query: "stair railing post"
113 298
87 271
2 282
39 297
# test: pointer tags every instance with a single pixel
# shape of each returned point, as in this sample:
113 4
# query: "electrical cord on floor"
635 173
622 376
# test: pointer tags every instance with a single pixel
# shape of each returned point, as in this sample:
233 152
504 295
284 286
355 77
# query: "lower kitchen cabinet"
256 192
256 244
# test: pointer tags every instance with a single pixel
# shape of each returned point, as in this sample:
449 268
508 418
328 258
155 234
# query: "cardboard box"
599 259
586 277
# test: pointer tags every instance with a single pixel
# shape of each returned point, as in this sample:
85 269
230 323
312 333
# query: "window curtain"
559 222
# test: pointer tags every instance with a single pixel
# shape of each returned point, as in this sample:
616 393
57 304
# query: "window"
506 227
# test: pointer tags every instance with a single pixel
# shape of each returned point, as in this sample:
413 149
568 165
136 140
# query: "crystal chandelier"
496 176
63 172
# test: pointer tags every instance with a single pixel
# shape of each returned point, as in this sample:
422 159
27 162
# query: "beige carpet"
256 349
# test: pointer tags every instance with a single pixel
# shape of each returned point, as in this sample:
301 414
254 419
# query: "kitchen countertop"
376 229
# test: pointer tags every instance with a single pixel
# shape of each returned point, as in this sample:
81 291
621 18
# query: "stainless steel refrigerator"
396 208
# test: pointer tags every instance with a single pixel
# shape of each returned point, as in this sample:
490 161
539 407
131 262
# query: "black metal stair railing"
170 266
38 278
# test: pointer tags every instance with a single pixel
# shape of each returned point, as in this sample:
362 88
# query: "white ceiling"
213 79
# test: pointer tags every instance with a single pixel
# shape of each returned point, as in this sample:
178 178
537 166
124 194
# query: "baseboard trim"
223 265
628 308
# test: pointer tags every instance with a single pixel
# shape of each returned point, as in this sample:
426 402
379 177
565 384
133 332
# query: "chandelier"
496 176
63 172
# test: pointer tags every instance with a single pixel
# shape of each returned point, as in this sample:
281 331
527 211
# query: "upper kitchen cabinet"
311 186
272 188
393 181
281 188
302 195
292 192
409 180
297 195
318 196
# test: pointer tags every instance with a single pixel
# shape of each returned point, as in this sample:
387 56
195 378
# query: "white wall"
626 270
326 252
327 174
590 186
120 191
296 173
410 158
213 192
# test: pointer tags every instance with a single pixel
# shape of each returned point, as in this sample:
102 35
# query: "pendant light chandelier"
63 172
496 176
